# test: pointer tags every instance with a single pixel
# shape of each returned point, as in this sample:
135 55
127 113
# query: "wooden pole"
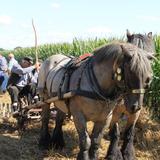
35 35
50 100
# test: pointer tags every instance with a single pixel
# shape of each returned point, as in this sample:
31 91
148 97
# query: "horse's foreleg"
44 134
57 139
128 148
114 152
84 139
96 136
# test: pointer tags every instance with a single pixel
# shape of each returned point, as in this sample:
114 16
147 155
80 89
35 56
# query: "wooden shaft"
50 100
35 35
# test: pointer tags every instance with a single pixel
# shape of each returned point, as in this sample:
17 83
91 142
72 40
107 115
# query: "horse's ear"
129 36
128 33
151 56
149 35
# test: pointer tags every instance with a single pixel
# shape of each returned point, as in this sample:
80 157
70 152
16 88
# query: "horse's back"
46 68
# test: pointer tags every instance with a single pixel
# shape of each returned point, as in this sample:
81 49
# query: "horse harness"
98 93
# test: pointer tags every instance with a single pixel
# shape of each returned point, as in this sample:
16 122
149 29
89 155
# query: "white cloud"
61 34
55 5
26 26
150 18
55 36
99 30
17 39
5 19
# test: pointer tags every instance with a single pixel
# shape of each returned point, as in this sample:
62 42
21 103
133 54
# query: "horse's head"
123 69
137 76
144 42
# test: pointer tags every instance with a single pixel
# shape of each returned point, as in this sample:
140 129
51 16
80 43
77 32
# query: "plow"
29 111
34 110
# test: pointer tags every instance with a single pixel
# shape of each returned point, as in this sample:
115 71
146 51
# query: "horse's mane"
141 36
140 40
110 51
139 62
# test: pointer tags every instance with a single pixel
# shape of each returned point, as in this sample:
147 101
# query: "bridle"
119 77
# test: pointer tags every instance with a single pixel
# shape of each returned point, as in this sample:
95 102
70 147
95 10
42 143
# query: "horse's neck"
103 74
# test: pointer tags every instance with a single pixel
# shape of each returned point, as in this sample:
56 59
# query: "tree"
1 49
17 48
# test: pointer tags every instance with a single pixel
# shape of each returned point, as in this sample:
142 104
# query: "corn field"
79 47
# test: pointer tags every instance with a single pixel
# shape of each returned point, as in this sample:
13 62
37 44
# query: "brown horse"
114 70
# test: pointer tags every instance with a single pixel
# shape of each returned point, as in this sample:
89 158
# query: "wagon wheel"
26 114
22 117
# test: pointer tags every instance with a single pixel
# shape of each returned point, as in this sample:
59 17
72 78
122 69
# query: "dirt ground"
25 146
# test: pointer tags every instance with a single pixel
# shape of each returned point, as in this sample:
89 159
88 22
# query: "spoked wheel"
21 117
21 121
25 114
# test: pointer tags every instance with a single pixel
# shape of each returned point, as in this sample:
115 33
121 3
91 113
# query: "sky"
63 20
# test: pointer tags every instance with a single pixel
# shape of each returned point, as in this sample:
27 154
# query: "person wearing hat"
19 79
33 81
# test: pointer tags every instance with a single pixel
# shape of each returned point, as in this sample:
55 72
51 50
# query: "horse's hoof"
44 143
58 144
43 146
93 154
83 155
15 114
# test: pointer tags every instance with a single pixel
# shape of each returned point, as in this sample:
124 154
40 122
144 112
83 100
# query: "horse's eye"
148 80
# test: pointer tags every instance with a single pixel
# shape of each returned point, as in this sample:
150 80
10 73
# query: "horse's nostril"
136 107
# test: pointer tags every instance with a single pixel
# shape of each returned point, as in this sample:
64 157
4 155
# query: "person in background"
33 81
19 80
12 62
3 74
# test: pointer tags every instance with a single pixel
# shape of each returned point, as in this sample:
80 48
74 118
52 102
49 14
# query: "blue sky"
62 20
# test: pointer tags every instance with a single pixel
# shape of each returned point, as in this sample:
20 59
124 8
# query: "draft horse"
146 43
143 41
113 71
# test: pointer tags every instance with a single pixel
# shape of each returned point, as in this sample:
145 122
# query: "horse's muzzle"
135 108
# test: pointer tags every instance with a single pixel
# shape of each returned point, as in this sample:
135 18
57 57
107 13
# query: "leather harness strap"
97 93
